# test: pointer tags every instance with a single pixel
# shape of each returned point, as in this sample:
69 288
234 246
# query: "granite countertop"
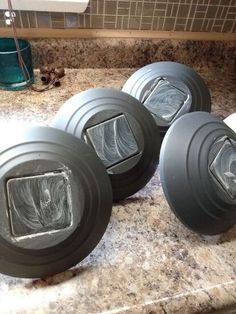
147 261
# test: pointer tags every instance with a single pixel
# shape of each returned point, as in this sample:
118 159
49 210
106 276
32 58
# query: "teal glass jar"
11 76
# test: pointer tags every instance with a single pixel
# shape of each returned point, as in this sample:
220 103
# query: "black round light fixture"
55 199
198 172
169 90
121 131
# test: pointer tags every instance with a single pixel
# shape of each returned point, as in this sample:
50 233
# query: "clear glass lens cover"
113 140
223 167
165 100
39 204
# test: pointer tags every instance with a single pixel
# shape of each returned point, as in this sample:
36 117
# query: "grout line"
129 15
208 25
50 18
213 24
116 15
103 13
225 19
204 16
164 20
172 9
234 24
36 19
196 18
153 15
222 12
158 24
28 19
64 20
188 16
177 12
171 2
20 17
135 11
193 19
140 22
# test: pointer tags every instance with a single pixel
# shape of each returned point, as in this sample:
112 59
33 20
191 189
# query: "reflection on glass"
11 76
223 167
39 204
113 140
165 100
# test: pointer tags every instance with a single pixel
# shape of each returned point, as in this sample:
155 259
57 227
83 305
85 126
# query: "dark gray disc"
198 172
55 202
169 90
120 130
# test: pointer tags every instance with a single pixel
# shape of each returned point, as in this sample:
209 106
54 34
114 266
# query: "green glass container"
11 76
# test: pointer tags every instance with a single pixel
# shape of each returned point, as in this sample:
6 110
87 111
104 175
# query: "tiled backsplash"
163 15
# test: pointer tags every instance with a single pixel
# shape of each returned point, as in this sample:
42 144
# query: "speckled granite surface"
147 262
99 53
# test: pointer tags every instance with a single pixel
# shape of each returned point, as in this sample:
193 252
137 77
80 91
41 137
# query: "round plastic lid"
55 199
198 172
120 130
169 90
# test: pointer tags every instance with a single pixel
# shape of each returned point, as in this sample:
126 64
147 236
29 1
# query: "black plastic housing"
121 131
198 172
55 200
178 87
